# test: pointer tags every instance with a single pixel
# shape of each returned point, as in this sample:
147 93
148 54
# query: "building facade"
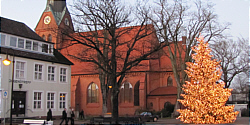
149 87
41 75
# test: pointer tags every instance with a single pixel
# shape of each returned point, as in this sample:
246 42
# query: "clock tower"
54 19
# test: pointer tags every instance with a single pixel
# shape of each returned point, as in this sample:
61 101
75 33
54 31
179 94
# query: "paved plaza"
167 121
162 121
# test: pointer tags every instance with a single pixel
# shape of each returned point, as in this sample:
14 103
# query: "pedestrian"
81 114
64 117
69 115
49 115
72 117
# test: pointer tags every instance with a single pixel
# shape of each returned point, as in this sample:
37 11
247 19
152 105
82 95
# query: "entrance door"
19 99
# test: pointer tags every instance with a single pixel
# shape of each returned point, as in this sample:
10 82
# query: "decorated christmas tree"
204 96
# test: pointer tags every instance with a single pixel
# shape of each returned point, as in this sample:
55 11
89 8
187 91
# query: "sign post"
5 96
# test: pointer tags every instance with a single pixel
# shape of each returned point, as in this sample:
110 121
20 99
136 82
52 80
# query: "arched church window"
93 93
170 81
136 94
43 36
166 104
49 38
126 93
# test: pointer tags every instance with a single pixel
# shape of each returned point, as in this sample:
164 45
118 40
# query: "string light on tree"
204 97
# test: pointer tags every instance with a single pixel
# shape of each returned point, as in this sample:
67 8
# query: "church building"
149 88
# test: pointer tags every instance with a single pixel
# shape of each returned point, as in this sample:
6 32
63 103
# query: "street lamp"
7 62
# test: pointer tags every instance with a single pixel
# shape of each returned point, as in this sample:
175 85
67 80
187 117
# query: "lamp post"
7 62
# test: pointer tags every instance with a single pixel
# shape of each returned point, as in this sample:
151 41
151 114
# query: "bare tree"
233 56
111 43
175 19
240 83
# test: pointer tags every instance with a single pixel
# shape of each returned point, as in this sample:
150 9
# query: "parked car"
147 117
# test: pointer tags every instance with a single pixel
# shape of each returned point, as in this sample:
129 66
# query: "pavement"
161 121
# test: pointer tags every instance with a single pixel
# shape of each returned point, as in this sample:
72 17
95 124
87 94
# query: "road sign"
5 94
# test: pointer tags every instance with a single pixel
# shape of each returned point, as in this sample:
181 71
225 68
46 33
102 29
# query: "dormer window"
28 44
25 44
35 46
45 48
20 43
3 38
13 41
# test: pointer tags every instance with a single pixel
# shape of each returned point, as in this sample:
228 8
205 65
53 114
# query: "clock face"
47 20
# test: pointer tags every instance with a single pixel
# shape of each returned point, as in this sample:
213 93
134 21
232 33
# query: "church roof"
19 29
164 91
58 9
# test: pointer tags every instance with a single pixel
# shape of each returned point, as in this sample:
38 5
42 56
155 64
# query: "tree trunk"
115 112
177 104
104 99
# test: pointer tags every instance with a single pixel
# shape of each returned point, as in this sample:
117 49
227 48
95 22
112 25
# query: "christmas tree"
204 96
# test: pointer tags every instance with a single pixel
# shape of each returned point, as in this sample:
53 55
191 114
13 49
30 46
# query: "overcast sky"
234 11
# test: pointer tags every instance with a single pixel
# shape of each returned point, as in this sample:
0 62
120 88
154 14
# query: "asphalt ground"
167 121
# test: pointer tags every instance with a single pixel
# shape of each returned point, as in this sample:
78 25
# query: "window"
43 36
50 100
66 21
51 73
126 93
136 94
62 101
35 46
28 44
234 97
45 48
93 93
20 70
168 105
3 39
170 81
13 41
37 100
20 43
49 38
63 72
38 71
51 49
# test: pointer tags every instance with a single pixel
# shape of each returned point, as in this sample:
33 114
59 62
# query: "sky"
234 11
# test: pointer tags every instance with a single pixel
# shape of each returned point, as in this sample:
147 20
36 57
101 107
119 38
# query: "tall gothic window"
93 93
170 81
49 38
136 94
126 93
44 37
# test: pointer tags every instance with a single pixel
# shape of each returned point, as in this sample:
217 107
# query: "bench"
37 122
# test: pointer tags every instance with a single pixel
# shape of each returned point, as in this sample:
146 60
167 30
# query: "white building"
41 73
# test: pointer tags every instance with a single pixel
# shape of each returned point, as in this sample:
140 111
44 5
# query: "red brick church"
149 87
